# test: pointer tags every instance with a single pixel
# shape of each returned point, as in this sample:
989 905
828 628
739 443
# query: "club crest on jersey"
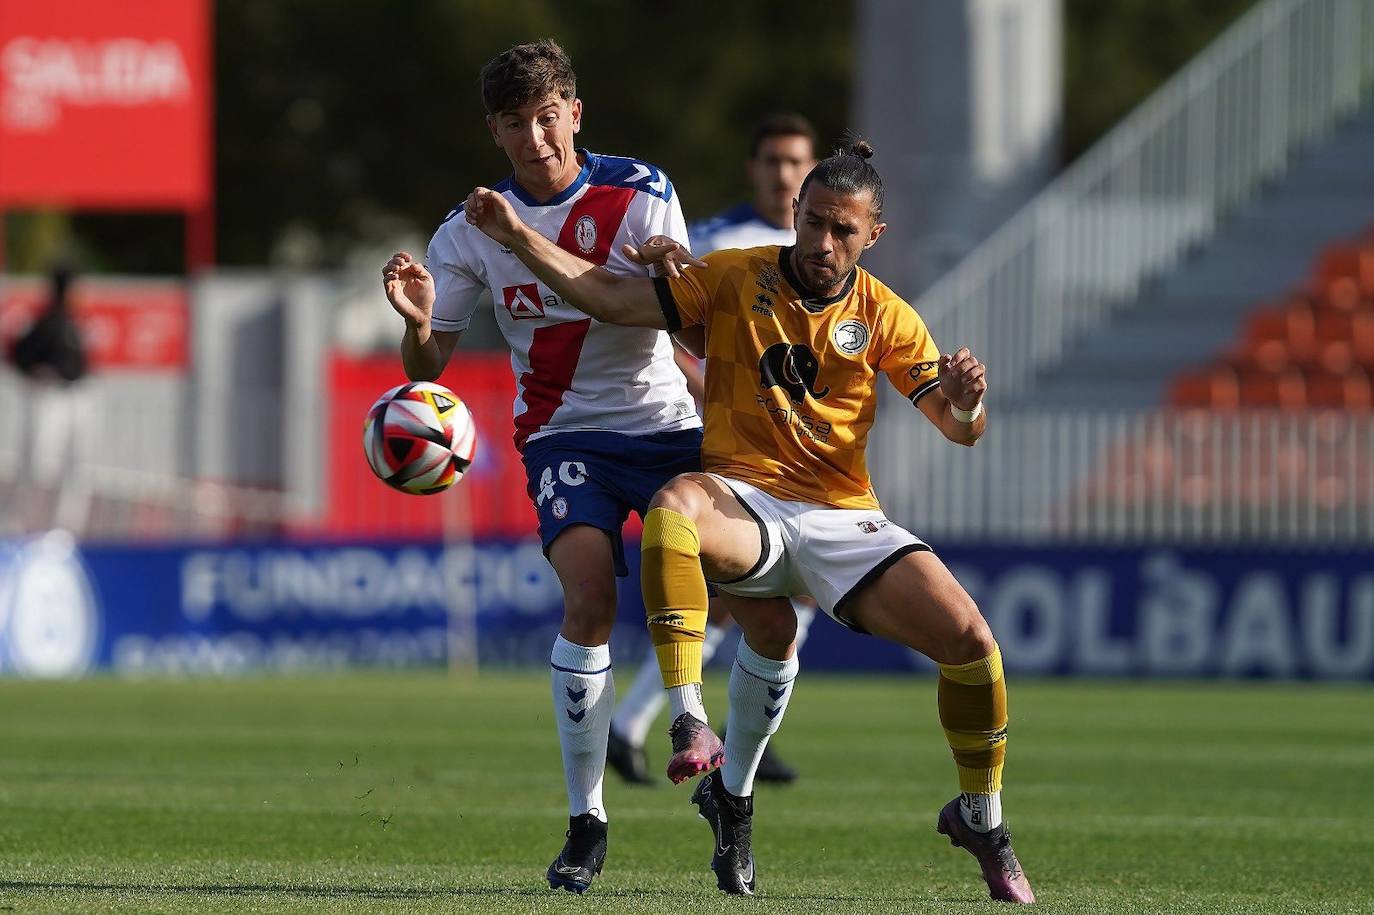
523 301
584 233
850 336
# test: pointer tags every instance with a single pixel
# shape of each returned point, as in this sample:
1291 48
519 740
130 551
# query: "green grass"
431 793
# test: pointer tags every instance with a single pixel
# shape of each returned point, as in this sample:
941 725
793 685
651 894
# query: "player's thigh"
731 538
917 602
583 558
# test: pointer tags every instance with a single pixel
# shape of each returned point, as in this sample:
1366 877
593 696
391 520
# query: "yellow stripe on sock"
980 781
975 673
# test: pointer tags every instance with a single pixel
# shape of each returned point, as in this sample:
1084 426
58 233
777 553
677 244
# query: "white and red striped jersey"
572 373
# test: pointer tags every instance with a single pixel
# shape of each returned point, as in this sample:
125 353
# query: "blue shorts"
598 478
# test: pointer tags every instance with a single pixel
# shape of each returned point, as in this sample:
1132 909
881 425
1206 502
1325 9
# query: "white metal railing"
1158 184
1175 476
109 459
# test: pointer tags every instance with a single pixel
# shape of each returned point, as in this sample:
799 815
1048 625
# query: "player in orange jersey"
796 337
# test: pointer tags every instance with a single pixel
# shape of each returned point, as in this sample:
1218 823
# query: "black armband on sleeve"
665 301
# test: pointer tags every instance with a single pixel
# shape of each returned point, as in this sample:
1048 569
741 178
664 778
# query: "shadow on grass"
363 892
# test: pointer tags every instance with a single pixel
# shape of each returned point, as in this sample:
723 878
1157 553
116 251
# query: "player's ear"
796 212
576 110
492 126
878 229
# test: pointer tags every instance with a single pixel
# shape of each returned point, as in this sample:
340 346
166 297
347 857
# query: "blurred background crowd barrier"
1178 479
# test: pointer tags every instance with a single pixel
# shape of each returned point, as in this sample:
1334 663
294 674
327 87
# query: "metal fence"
1158 184
1121 476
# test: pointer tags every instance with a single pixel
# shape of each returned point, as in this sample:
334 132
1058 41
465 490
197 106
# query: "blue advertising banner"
66 608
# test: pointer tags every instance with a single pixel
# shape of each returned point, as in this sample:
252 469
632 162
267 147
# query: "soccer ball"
419 438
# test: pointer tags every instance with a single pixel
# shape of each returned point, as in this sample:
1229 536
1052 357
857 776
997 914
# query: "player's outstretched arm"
957 408
614 299
410 290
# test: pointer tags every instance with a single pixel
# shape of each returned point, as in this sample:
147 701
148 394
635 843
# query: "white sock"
982 812
583 695
636 712
760 689
687 699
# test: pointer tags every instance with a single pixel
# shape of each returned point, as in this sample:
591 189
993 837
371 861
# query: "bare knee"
684 495
969 638
589 610
770 627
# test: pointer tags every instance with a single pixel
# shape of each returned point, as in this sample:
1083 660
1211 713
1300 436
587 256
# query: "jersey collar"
563 196
810 303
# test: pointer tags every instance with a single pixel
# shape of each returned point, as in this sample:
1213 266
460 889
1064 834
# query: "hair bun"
861 148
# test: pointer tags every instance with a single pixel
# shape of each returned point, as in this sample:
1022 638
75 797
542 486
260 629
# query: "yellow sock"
973 712
674 594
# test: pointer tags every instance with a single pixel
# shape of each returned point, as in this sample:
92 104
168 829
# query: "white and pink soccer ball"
419 438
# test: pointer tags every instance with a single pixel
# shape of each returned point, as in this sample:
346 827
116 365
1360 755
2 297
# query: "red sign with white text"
132 325
105 105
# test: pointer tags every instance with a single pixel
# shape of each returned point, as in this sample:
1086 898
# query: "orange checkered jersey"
790 381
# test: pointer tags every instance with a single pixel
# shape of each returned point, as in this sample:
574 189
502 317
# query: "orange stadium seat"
1295 322
1340 390
1355 328
1348 261
1314 348
1284 389
1214 387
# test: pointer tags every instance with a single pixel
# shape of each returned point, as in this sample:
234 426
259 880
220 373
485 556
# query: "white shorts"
827 553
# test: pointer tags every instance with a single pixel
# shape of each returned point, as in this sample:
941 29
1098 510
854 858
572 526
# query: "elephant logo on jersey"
584 233
792 367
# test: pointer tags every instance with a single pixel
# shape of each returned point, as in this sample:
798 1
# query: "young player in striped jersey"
782 150
796 339
603 417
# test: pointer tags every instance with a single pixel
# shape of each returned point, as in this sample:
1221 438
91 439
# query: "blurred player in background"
603 417
52 356
782 151
796 338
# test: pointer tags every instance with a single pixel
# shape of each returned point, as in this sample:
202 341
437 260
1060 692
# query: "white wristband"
966 416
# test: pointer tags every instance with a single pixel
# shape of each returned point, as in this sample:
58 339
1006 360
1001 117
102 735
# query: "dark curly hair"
527 73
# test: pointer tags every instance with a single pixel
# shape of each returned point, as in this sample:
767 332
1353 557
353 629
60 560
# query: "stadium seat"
1353 261
1339 390
1214 387
1284 389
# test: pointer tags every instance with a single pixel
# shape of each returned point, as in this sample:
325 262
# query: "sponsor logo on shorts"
872 527
667 619
560 508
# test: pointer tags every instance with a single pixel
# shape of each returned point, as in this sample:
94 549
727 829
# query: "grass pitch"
437 793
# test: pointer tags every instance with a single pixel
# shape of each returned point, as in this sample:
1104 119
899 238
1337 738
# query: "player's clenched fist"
409 288
492 214
962 379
